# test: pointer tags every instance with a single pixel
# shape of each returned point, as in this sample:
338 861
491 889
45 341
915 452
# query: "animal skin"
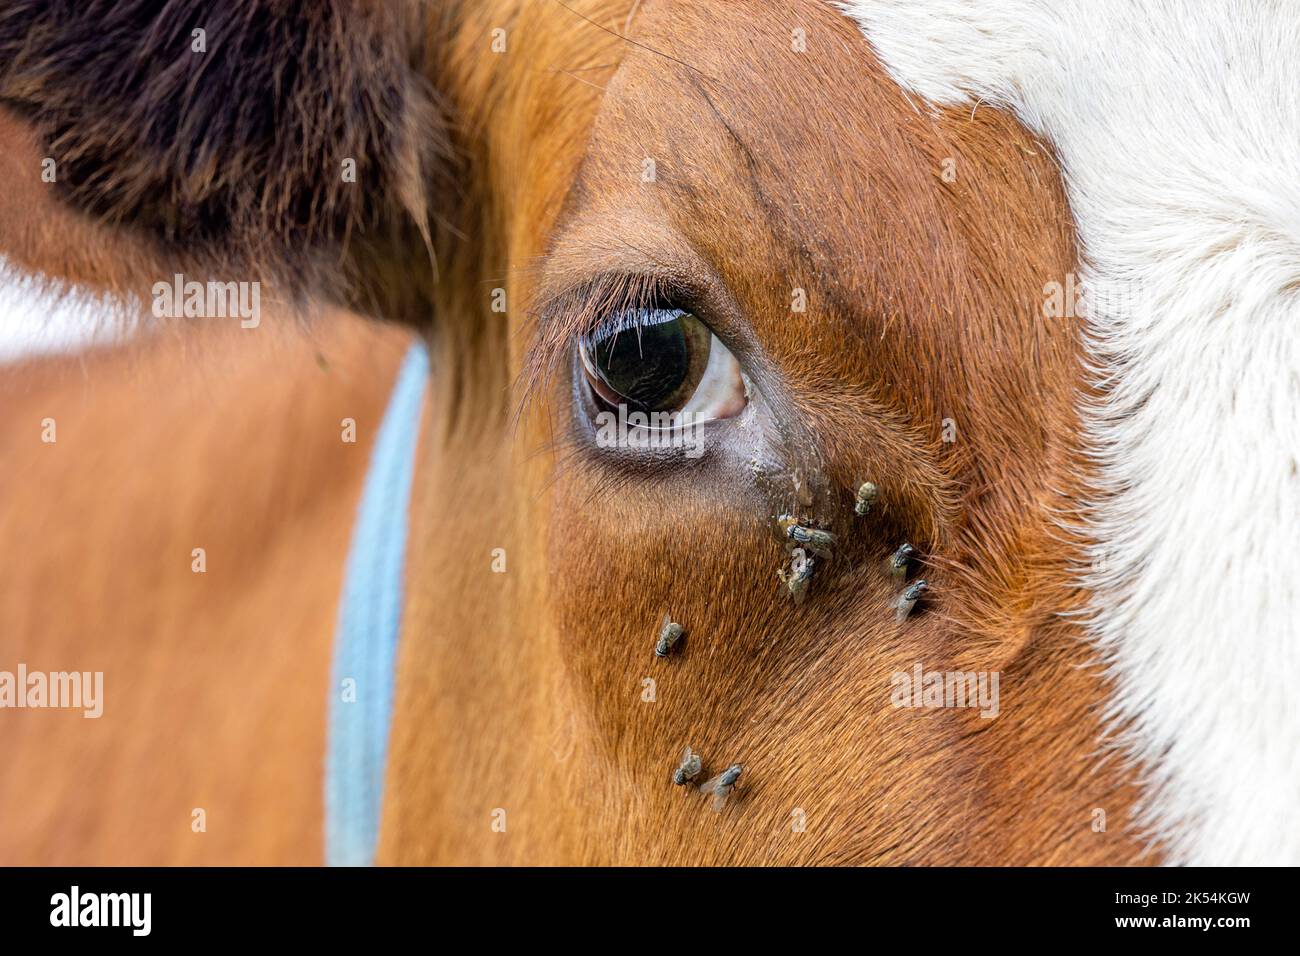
909 172
1184 193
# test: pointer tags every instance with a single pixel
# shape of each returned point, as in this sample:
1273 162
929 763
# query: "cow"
988 297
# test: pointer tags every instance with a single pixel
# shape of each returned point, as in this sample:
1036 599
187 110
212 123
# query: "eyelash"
622 301
594 310
629 320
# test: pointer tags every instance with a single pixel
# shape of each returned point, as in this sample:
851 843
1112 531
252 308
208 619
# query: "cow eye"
663 360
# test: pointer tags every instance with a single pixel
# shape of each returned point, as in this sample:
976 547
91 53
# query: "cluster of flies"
720 786
670 632
807 546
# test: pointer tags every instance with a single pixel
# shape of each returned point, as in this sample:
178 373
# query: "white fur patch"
39 317
1177 124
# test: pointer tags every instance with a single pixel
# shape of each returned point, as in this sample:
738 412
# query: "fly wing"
720 800
820 544
710 784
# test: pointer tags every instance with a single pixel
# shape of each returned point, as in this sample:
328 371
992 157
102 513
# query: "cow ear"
275 140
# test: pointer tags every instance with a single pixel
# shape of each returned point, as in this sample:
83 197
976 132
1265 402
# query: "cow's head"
852 287
801 224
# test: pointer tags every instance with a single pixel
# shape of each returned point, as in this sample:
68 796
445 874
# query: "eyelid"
597 306
573 298
583 309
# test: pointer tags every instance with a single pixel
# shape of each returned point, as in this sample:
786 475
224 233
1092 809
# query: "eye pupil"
654 365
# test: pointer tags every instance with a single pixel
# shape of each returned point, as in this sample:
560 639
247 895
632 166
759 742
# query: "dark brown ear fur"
234 156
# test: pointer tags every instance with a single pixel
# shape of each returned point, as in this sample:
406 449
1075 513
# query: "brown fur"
234 155
522 691
214 684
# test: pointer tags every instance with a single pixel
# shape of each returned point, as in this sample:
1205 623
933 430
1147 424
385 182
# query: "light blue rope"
365 645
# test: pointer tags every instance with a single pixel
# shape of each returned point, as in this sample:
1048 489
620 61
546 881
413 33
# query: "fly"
722 785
